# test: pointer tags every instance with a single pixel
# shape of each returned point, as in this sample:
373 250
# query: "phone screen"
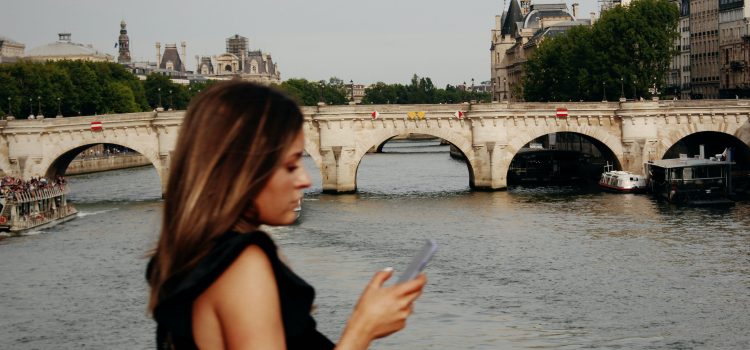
419 262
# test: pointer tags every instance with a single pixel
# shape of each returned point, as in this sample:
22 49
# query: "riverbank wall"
112 162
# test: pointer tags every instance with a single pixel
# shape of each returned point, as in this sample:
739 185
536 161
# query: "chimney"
498 23
184 56
702 151
575 10
158 54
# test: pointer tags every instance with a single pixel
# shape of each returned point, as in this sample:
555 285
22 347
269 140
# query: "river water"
555 267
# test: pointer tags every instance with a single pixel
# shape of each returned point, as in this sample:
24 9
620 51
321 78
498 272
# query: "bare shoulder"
249 274
242 306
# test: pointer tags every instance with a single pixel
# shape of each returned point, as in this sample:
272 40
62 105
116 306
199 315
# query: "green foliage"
419 91
75 87
627 50
309 93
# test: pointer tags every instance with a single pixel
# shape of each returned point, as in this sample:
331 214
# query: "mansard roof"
541 11
265 62
510 20
171 54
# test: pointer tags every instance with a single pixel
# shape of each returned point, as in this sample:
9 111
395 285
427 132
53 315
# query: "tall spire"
124 43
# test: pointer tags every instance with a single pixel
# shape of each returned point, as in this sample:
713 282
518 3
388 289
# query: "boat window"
687 173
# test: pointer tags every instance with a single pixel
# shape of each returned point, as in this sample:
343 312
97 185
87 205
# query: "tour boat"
621 181
34 209
693 181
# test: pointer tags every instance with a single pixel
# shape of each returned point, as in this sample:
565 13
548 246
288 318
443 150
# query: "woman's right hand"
381 310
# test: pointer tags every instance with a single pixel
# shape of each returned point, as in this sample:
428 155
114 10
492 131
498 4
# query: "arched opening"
228 68
107 172
562 158
412 163
715 143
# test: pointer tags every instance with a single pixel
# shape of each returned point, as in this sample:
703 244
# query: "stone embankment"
112 162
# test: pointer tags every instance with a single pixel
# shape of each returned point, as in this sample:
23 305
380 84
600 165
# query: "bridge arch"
56 163
598 135
377 139
668 142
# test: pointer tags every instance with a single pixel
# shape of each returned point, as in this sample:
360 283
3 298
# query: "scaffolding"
237 45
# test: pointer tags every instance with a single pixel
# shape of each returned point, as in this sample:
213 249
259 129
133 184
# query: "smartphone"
419 262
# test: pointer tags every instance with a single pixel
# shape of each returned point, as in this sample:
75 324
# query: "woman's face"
281 195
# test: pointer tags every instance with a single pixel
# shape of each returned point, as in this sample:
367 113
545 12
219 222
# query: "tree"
630 44
309 93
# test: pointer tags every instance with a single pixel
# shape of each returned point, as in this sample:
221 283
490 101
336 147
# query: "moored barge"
692 181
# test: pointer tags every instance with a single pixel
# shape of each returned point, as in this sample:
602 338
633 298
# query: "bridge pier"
339 170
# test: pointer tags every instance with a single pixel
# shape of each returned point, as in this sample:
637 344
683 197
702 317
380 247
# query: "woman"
216 281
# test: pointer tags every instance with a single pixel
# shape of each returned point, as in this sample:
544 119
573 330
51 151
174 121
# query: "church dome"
65 49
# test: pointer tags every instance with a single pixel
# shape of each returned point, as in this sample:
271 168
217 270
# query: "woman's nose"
304 179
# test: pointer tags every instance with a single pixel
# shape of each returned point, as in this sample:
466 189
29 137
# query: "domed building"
65 49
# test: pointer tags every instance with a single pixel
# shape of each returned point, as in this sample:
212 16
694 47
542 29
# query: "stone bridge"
338 137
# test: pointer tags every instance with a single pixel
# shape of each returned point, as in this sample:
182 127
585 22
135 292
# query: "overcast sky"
367 41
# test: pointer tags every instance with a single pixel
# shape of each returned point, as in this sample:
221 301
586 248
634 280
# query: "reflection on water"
547 267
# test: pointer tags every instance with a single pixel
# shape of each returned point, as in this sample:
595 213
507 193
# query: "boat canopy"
687 162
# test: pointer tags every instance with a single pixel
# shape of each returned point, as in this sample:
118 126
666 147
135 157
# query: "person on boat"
216 280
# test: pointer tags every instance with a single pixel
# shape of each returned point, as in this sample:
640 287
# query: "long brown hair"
231 140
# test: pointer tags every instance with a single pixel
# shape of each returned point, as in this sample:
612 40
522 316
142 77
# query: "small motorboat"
621 181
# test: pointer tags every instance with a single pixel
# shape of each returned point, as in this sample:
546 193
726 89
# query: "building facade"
684 27
704 49
678 77
240 62
734 50
66 49
10 50
517 33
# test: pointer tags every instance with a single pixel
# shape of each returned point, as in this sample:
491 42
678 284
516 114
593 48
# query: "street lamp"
159 105
31 109
635 92
604 91
320 94
10 111
39 110
59 112
472 90
170 99
622 89
351 82
504 87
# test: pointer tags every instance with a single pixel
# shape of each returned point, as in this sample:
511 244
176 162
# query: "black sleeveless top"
173 314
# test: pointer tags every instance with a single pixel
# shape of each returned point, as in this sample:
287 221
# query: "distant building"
10 50
205 66
685 43
65 49
239 62
678 76
608 4
517 34
734 49
704 48
357 91
124 43
171 61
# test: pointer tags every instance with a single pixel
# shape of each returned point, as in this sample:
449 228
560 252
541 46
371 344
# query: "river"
548 267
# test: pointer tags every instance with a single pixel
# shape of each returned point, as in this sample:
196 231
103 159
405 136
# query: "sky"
363 41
